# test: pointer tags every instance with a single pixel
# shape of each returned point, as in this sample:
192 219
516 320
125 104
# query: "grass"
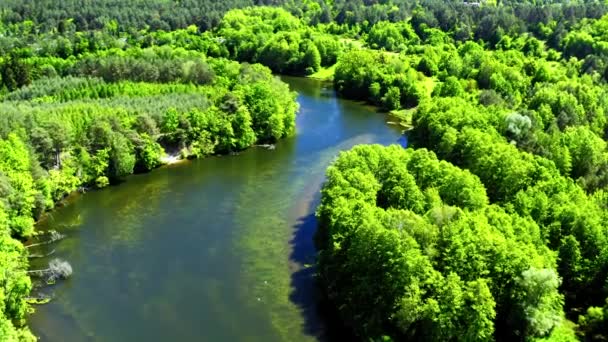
324 74
353 42
429 84
402 117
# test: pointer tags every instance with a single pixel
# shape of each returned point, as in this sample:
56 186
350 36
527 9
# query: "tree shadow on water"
319 316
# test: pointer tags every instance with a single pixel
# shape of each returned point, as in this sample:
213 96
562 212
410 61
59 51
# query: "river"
218 249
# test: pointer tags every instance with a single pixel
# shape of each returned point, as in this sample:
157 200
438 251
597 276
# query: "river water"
218 249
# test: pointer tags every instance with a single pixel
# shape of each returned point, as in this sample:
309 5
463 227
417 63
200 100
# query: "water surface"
211 250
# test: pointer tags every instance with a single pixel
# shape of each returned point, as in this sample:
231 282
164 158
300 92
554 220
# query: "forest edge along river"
214 249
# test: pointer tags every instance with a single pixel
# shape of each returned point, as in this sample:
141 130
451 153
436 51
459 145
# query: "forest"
491 225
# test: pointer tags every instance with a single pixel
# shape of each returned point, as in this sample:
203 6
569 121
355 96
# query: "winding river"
218 249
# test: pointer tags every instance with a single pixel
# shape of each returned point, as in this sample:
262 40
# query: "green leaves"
379 77
15 285
593 324
20 192
395 258
541 304
149 153
391 36
14 73
275 38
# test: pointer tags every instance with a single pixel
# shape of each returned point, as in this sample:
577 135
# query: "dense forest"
489 226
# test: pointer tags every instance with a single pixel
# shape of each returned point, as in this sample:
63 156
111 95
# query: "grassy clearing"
354 43
429 84
324 74
402 117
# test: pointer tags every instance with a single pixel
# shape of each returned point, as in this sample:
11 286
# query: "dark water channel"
217 249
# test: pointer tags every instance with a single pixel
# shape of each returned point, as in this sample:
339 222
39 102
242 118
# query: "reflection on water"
215 249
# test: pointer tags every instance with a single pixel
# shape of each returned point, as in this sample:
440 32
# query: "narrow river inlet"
218 249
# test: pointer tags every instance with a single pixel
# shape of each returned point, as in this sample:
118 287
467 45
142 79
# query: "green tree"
15 74
541 304
122 157
15 165
392 99
312 58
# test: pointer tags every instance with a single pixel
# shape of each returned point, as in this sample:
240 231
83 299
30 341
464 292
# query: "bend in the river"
216 249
